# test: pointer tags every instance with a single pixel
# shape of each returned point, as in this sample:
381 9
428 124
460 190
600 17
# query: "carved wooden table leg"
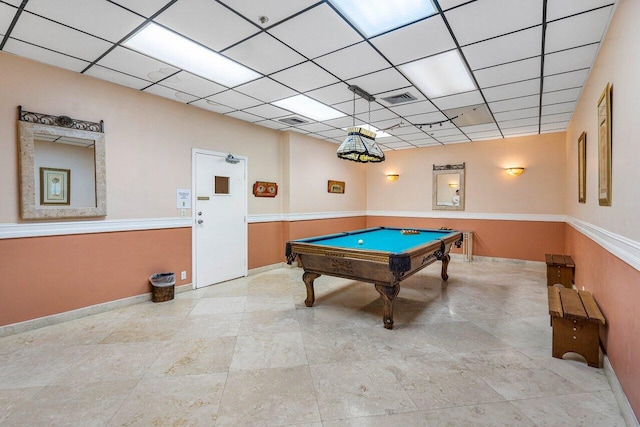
308 279
445 265
388 294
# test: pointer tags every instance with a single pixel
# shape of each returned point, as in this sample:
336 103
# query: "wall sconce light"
392 177
514 171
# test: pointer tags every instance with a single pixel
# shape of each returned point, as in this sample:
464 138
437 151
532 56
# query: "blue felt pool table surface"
380 239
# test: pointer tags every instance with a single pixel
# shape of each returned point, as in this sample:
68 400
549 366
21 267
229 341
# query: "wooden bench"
560 269
576 320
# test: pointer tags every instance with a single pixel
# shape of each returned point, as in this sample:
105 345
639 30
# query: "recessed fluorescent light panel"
167 46
374 17
439 75
308 107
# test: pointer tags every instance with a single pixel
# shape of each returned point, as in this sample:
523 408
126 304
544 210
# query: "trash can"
162 285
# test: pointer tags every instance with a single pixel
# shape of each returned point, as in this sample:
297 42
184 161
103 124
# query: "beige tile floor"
475 351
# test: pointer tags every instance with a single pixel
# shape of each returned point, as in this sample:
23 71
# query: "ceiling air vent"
399 99
293 121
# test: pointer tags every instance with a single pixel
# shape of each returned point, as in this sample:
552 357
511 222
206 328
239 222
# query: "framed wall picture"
604 147
582 168
335 187
265 189
55 186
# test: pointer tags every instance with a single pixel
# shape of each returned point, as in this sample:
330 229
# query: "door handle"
200 221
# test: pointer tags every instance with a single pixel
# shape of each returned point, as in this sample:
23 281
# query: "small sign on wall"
183 198
265 189
335 187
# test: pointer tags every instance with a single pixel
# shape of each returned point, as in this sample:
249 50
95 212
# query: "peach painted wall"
312 163
489 189
616 288
42 276
148 139
615 284
266 245
528 240
619 64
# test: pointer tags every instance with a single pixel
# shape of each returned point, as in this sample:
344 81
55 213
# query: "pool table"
383 256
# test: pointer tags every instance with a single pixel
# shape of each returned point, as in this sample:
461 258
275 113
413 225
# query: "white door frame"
194 196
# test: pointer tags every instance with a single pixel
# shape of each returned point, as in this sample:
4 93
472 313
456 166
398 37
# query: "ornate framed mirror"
448 187
62 167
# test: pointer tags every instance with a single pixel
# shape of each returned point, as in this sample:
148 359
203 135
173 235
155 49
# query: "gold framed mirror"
62 167
448 187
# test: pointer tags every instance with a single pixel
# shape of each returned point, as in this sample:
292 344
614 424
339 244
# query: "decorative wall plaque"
335 187
265 189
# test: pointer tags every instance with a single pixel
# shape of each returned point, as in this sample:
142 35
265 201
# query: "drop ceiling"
528 60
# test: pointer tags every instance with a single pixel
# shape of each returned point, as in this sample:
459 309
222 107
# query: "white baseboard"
625 408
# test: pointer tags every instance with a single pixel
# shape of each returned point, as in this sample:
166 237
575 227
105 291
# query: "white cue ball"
360 241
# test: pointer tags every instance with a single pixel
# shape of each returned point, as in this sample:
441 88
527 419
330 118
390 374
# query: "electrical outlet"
183 213
183 275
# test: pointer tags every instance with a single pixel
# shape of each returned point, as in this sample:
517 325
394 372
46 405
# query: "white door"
219 214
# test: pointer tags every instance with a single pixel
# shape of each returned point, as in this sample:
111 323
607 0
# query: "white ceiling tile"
432 117
565 107
438 132
408 43
6 16
267 111
244 116
405 129
556 97
453 139
578 30
117 77
275 10
270 124
234 99
333 133
512 90
410 109
97 17
304 77
315 127
16 3
517 114
145 8
521 131
554 118
398 145
45 33
515 103
381 81
480 136
170 93
561 8
264 53
510 124
417 137
361 105
212 106
508 73
136 64
480 128
481 20
378 115
459 100
316 32
266 90
333 94
508 48
43 55
569 60
206 22
353 61
448 4
554 127
565 80
195 85
341 122
388 139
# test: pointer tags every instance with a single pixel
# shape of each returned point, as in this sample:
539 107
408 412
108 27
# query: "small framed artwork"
265 189
335 187
604 147
54 186
582 168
